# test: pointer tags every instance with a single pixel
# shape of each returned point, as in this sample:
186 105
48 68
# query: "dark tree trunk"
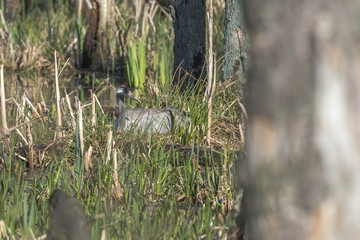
91 36
304 139
190 42
236 41
95 48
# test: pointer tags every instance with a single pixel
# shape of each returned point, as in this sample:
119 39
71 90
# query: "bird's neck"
122 112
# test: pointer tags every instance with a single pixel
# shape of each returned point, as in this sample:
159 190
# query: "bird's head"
124 91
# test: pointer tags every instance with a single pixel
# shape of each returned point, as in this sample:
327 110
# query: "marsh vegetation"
177 185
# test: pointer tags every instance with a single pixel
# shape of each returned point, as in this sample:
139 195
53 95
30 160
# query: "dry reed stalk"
18 126
118 192
71 111
21 113
31 150
2 99
103 235
145 27
21 157
108 146
22 137
8 35
214 77
98 102
88 158
57 90
242 108
211 56
39 109
93 116
62 69
3 231
32 106
151 15
44 151
224 166
100 89
230 105
21 109
211 83
79 10
3 22
80 126
213 86
89 4
242 137
138 9
43 103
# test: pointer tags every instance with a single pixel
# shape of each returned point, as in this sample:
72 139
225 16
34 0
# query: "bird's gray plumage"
180 118
146 120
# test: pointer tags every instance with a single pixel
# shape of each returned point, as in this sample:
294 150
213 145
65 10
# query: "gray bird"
146 120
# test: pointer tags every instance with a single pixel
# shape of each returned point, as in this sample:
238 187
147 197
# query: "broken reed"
57 91
2 99
210 89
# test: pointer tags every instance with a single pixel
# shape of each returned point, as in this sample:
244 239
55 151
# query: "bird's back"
181 118
149 120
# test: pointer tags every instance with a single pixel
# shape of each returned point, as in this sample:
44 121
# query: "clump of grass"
136 64
164 193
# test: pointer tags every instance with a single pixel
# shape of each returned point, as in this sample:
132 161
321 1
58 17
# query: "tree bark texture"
190 42
95 48
236 41
304 134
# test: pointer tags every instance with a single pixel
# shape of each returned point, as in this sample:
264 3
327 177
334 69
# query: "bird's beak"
132 95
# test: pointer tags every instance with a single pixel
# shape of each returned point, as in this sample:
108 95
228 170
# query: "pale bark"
304 138
236 41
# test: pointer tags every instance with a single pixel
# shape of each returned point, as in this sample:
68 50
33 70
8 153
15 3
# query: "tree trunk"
304 139
236 41
190 42
95 49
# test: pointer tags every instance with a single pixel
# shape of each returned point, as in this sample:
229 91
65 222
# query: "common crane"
147 120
